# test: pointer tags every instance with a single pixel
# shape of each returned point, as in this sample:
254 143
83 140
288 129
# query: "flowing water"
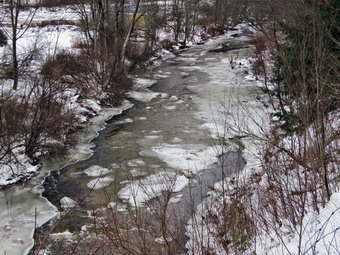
173 133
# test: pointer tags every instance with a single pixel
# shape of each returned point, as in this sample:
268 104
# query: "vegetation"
296 54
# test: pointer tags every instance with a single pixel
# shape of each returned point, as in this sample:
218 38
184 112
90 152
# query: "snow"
173 98
143 82
56 13
117 207
320 234
65 235
137 193
161 76
321 230
176 199
176 140
154 132
24 199
13 172
48 38
136 172
92 104
136 162
144 95
170 107
99 183
67 203
184 74
96 171
191 159
128 120
162 240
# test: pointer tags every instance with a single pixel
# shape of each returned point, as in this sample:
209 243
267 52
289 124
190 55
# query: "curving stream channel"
174 133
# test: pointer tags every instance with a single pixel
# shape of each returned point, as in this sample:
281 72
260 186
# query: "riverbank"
24 209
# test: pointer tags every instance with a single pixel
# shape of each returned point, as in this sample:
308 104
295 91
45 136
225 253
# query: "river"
171 135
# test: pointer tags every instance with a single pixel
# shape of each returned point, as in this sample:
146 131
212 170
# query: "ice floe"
144 95
67 203
170 107
191 158
99 183
96 171
138 192
144 82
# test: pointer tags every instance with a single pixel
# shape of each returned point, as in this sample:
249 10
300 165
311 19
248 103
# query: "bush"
167 44
39 125
233 225
57 22
63 63
55 3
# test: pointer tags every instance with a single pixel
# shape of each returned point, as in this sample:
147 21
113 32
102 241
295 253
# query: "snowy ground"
317 234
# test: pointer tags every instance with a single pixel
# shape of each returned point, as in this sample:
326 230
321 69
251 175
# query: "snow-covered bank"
22 168
253 211
16 166
73 108
17 222
319 234
230 108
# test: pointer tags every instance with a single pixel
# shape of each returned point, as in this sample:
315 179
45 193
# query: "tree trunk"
14 9
127 38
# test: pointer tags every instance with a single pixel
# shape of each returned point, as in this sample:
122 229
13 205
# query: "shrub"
167 44
38 124
63 63
233 226
212 31
57 22
55 3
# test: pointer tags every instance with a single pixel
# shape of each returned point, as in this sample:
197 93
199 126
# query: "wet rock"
19 242
7 228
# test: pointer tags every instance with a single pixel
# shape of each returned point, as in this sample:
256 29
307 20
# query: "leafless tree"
16 31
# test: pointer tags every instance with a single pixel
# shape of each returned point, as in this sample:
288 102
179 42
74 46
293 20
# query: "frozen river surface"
172 138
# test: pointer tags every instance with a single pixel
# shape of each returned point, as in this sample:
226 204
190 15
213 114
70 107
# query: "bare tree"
16 31
107 32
